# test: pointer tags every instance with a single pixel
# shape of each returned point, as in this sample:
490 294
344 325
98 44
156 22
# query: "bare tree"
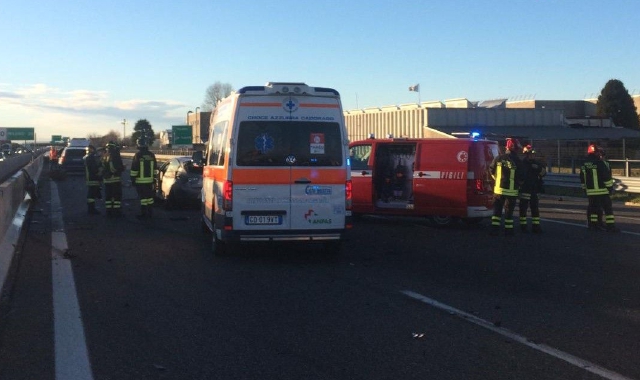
214 94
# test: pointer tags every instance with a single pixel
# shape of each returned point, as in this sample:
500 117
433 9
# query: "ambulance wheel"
218 247
441 220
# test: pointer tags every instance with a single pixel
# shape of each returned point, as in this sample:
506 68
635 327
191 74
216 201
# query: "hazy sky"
80 67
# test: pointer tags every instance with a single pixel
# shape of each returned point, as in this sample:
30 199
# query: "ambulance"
443 179
276 168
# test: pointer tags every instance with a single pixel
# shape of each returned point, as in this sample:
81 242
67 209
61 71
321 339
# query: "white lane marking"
574 360
584 225
71 355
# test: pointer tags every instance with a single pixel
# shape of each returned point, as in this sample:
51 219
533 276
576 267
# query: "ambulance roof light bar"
293 88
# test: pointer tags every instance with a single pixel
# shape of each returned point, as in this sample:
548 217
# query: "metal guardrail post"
627 173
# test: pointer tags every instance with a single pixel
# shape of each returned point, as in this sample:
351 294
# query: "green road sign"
181 135
56 138
17 134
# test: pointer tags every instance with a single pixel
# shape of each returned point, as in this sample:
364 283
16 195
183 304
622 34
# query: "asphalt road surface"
91 297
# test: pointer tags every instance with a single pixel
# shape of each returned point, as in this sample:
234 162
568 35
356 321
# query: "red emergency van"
444 179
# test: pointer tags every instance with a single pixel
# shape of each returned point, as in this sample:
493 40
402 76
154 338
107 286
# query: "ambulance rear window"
289 143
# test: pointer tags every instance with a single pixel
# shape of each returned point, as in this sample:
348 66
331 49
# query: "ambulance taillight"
227 196
348 194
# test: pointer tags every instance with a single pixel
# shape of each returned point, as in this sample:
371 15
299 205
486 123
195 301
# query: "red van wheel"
442 220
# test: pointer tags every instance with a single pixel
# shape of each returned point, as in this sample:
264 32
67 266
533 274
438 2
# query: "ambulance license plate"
263 219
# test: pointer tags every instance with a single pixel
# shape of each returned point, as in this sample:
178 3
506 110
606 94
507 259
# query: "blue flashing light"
475 135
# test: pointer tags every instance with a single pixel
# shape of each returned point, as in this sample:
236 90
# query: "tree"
615 102
214 94
143 129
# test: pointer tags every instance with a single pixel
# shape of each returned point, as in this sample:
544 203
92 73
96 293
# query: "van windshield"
289 143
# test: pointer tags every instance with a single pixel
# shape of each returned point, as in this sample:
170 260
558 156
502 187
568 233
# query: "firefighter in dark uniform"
507 173
596 179
143 170
93 177
112 168
533 171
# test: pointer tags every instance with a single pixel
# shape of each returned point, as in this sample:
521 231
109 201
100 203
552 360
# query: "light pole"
124 129
197 127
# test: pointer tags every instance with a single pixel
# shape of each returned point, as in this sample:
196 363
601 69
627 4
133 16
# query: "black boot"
91 209
612 228
143 212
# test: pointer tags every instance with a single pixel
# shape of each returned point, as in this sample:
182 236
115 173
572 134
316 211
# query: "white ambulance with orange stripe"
276 167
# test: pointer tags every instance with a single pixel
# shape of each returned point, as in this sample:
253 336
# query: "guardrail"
626 184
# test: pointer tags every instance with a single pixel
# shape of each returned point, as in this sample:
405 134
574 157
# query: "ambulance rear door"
289 166
361 156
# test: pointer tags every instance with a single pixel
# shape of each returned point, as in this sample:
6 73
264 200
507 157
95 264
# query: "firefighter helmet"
592 149
512 144
90 149
110 145
142 142
528 149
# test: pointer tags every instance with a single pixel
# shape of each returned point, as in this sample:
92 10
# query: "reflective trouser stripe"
508 223
610 219
495 221
112 204
535 220
146 201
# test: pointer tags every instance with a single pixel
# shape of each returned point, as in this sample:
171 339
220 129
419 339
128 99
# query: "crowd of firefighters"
108 170
522 180
516 180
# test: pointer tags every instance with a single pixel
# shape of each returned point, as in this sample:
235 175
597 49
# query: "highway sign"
17 134
181 135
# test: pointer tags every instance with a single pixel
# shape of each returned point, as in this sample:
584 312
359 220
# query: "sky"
80 67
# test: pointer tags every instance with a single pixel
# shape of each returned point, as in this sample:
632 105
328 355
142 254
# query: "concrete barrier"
14 204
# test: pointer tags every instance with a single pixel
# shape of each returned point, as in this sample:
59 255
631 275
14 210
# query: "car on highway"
71 159
178 182
3 156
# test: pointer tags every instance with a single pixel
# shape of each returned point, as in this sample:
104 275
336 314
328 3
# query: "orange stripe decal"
274 176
